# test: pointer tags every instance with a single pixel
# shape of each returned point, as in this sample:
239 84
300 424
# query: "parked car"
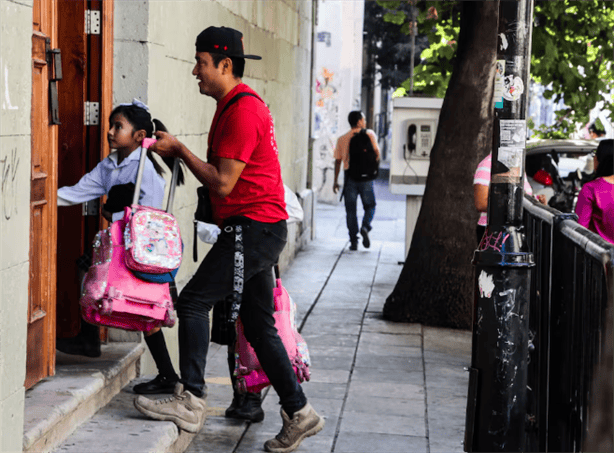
558 168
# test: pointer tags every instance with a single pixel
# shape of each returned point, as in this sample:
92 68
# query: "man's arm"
374 143
219 180
337 168
480 197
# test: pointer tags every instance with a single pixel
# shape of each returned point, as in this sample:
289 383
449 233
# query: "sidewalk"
382 386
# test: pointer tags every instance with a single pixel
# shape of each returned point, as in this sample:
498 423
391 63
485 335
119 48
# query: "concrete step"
118 427
57 406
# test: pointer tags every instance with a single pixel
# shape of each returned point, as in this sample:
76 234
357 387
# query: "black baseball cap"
223 40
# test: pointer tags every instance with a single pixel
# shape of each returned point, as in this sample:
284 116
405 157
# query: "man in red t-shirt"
243 175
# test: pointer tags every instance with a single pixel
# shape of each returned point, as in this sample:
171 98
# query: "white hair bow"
137 103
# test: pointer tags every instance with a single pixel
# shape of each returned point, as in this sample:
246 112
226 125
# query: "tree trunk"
436 284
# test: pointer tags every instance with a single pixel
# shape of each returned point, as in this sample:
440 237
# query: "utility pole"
496 406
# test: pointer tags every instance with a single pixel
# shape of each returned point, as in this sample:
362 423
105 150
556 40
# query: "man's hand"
167 145
336 187
106 214
541 198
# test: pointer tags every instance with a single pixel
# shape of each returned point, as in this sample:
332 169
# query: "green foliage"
438 21
572 54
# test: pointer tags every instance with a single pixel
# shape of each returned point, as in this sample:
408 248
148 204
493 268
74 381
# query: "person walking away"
243 175
354 187
595 206
115 176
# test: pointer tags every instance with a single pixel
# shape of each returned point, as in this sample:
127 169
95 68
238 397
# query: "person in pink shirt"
595 207
481 183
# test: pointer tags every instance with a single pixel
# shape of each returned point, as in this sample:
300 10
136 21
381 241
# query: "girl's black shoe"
159 384
246 406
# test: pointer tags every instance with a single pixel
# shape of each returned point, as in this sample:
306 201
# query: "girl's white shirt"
107 174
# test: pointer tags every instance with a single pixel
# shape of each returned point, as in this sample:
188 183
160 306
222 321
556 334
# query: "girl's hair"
140 118
605 157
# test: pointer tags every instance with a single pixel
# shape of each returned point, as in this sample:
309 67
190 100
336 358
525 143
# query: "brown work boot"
184 409
304 423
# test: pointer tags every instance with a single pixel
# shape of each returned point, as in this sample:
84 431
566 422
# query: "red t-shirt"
246 132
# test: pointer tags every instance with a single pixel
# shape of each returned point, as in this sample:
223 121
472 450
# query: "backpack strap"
230 102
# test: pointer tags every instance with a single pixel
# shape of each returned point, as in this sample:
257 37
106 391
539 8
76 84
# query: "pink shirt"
482 177
595 208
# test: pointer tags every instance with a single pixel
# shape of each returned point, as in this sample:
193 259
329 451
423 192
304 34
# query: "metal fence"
570 287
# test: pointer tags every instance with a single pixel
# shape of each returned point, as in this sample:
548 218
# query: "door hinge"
91 207
92 113
92 22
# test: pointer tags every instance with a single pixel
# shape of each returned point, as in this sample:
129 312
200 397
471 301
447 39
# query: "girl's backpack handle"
139 175
147 142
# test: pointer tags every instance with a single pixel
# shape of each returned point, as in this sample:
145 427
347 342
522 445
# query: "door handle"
54 62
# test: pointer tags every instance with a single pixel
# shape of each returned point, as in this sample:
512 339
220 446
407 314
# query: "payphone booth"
414 124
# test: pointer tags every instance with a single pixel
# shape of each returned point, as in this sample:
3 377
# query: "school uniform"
109 173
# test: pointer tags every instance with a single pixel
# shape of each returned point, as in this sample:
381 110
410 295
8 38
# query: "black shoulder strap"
235 99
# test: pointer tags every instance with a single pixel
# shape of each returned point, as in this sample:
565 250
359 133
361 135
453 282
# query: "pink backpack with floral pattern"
152 237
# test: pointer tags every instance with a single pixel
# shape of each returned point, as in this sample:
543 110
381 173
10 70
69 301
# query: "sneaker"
183 408
365 237
353 246
304 423
159 384
246 406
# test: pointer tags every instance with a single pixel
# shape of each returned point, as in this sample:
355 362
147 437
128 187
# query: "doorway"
63 153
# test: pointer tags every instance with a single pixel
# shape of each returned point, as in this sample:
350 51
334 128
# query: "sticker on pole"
512 133
499 73
512 87
511 157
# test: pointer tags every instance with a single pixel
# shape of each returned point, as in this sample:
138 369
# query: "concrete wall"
338 77
16 89
154 58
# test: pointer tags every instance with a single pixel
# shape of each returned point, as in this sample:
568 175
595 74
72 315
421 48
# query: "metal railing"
570 287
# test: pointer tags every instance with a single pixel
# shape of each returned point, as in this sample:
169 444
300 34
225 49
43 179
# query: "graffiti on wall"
6 99
8 166
326 127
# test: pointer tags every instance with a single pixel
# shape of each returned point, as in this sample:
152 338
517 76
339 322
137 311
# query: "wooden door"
72 160
87 62
40 360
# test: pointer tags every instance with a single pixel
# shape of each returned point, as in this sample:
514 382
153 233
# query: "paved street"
382 386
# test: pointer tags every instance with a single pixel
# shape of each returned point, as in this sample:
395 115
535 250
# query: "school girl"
115 176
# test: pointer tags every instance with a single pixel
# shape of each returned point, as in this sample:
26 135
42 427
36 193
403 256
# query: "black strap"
212 132
239 272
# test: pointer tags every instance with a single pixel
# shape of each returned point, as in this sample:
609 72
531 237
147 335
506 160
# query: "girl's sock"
157 347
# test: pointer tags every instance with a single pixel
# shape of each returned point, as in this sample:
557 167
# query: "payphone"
414 125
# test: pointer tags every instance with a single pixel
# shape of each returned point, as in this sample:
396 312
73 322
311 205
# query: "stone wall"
15 138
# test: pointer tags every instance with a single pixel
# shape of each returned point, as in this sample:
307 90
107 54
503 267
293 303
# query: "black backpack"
364 165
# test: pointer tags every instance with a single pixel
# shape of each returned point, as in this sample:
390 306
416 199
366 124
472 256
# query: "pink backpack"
250 376
153 240
152 236
113 296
